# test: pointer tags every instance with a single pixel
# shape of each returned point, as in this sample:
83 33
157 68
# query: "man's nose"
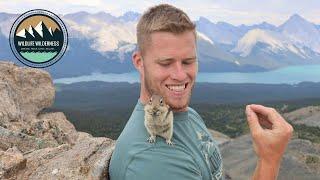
178 72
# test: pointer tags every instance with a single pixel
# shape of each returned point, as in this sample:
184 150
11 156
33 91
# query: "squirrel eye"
161 102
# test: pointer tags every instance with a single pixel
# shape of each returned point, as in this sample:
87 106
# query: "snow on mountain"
302 32
106 33
130 16
275 43
6 21
125 49
263 25
225 33
109 37
76 30
226 45
296 35
83 17
221 32
237 62
201 36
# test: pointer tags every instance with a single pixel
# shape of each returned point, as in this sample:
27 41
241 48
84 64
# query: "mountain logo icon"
38 38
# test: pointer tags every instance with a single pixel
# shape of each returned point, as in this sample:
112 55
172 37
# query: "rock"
31 89
11 161
56 126
309 116
38 145
9 109
220 138
87 159
55 171
22 141
239 159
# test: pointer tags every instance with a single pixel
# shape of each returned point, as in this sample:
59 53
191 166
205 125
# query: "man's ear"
137 61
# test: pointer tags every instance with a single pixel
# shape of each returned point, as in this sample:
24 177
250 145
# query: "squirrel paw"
169 142
152 139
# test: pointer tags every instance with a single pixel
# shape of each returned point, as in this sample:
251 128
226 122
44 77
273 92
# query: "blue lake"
288 75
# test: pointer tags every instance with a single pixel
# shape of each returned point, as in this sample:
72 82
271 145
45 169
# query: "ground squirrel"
158 119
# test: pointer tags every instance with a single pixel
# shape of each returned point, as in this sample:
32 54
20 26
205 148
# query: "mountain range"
101 42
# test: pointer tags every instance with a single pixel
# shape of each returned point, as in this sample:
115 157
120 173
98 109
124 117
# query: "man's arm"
266 170
270 134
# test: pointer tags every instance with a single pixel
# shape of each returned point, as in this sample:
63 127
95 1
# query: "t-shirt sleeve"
157 165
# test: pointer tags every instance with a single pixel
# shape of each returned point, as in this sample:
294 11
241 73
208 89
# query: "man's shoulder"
193 112
195 116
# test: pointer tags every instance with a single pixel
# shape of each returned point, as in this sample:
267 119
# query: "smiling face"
168 68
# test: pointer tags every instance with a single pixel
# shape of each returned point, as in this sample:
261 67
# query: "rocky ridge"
35 144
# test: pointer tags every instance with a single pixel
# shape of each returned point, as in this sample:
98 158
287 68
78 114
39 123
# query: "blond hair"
162 18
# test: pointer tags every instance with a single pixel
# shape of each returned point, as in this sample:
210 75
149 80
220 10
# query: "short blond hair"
162 18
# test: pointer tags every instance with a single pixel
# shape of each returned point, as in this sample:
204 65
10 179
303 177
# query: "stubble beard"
151 89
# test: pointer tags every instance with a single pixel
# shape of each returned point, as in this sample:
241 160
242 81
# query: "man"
167 62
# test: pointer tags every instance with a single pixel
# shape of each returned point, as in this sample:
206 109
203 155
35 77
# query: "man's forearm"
266 170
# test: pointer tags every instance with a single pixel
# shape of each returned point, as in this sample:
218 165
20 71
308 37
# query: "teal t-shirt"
194 155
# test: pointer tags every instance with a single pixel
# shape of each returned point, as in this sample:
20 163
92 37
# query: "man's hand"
270 134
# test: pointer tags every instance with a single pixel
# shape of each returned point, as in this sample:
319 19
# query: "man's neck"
145 100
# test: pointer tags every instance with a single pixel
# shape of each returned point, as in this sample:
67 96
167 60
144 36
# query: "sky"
235 12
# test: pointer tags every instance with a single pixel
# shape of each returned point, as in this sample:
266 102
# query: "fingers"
263 120
265 124
271 114
277 121
253 120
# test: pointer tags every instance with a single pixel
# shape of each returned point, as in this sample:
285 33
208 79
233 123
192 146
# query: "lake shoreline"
289 75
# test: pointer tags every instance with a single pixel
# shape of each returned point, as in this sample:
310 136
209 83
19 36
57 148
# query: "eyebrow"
191 58
171 59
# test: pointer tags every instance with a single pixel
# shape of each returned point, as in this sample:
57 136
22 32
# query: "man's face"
170 67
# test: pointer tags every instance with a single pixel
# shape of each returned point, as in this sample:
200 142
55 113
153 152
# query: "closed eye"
165 61
164 64
189 61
